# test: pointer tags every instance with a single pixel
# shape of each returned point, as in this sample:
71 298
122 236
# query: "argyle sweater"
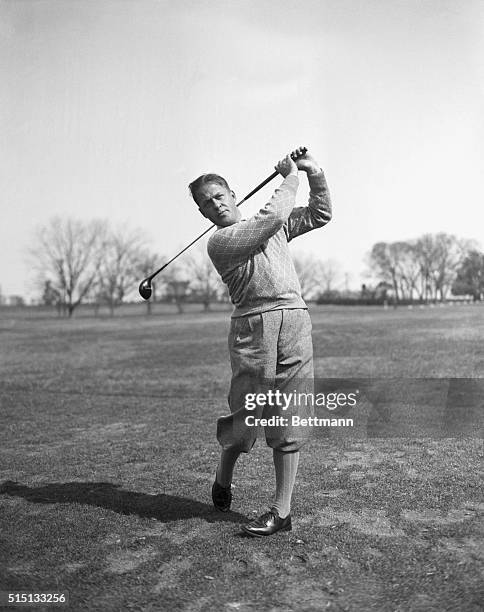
252 255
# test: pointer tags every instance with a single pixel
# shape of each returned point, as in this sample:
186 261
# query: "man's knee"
285 446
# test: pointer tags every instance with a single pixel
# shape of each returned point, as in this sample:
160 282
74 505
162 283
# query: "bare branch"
66 253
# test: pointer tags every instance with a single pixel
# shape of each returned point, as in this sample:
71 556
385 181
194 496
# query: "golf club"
145 289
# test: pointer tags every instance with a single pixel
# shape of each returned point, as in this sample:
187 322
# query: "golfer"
270 334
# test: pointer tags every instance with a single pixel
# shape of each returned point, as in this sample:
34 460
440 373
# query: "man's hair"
195 185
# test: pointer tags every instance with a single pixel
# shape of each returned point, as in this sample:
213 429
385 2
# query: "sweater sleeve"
233 244
316 214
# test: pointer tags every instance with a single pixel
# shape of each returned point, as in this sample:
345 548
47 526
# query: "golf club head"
145 289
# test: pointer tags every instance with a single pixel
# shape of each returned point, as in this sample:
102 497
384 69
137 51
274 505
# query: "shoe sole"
264 535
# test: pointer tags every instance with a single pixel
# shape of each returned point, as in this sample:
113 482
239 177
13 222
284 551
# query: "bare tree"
68 253
425 255
396 264
308 269
118 271
426 266
408 270
330 273
205 281
439 256
450 253
383 260
402 267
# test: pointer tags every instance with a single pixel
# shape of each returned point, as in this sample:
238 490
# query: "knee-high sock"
285 465
226 466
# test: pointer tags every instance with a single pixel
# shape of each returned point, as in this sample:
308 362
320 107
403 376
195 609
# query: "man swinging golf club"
270 334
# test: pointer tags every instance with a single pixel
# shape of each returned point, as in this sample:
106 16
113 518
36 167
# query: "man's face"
218 204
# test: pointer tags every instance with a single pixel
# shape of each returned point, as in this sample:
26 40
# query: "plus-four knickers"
269 351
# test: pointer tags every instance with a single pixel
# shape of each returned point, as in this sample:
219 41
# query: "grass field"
108 453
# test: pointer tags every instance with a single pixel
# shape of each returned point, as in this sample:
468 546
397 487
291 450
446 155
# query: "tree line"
78 262
429 268
92 262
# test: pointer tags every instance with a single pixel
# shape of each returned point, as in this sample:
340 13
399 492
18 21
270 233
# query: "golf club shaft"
148 279
263 184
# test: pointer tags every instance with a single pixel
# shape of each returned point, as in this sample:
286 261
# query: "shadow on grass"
164 508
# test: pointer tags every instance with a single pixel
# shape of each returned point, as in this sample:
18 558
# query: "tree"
439 256
68 253
205 281
384 260
425 256
118 270
407 270
427 265
470 276
329 274
177 281
308 269
450 253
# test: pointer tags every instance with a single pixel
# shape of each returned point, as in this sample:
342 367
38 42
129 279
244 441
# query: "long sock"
226 466
285 465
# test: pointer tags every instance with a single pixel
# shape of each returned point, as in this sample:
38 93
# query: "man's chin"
225 221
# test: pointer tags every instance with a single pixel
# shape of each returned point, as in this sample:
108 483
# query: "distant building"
15 300
384 291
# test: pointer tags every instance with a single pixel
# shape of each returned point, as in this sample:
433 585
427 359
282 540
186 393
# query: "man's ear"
202 213
233 195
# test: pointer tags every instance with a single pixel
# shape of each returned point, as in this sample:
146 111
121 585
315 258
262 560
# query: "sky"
109 109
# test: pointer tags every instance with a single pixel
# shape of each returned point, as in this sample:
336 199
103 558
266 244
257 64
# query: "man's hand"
306 162
286 166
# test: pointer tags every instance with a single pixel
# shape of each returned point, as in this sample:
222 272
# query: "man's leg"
294 374
294 378
285 465
222 487
252 346
225 469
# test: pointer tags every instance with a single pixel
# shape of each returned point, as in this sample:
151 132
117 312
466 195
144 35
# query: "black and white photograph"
242 305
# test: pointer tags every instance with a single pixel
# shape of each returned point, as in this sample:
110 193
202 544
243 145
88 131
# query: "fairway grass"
108 453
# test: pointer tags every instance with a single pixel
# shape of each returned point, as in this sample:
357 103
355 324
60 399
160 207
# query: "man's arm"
318 211
233 244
